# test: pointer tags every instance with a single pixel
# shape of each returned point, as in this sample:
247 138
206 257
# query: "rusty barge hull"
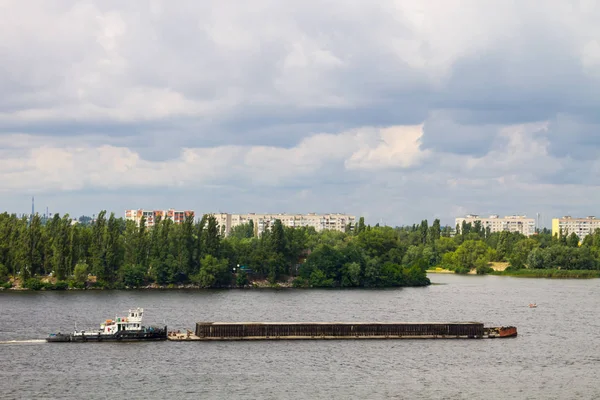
215 331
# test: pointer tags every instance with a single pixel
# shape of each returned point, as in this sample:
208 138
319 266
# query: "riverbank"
531 273
550 273
495 266
51 284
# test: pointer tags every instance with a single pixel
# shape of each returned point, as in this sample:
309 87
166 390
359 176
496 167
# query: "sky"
397 111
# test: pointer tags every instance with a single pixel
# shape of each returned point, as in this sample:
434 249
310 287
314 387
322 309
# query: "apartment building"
264 222
152 216
580 226
511 223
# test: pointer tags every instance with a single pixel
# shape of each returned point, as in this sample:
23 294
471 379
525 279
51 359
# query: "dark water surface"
555 356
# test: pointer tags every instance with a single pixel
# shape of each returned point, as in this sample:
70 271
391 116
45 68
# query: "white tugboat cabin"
132 322
125 328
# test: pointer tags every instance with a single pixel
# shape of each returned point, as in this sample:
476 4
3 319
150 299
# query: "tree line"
121 253
474 247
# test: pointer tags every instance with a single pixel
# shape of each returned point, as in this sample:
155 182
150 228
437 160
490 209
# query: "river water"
555 356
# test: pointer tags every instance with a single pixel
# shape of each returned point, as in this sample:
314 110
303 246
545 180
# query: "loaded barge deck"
211 331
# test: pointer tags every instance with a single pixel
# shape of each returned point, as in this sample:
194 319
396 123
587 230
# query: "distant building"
511 223
580 226
263 222
152 216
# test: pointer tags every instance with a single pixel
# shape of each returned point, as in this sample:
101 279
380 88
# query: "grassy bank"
550 273
531 273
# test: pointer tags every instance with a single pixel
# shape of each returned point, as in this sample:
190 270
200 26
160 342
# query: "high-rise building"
152 216
580 226
511 223
263 222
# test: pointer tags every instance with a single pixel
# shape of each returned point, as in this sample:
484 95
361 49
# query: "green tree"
3 273
423 231
445 245
241 279
325 258
538 258
573 240
243 231
211 238
62 247
469 252
130 243
318 278
114 249
98 246
132 275
213 273
35 245
142 245
351 274
80 273
278 238
361 225
520 252
434 232
372 275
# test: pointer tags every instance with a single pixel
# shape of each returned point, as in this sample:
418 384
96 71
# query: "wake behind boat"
127 328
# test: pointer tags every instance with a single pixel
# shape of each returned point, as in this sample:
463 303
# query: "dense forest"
118 253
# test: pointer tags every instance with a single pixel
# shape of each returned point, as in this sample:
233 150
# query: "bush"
99 284
3 273
300 283
73 284
6 285
33 284
319 279
133 275
461 270
241 279
213 272
80 272
61 285
484 269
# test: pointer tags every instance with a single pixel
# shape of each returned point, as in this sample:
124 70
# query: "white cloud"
423 107
112 60
104 167
399 147
591 57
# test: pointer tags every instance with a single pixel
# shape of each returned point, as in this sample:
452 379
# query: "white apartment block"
511 223
262 222
580 226
153 215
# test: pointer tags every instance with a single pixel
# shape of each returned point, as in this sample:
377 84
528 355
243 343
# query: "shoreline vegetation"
530 273
112 253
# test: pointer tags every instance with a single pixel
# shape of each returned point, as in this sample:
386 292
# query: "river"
555 356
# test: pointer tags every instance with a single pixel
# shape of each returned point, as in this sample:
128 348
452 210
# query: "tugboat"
127 328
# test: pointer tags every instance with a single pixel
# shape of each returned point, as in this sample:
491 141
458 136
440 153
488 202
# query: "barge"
121 329
211 331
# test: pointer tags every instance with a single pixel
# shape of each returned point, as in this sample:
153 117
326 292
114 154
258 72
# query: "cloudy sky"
394 110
